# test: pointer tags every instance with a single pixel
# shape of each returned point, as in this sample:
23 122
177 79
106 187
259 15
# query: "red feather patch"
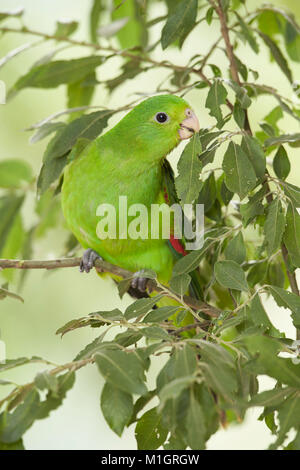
175 242
177 245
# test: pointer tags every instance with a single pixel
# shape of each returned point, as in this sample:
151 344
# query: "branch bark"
104 266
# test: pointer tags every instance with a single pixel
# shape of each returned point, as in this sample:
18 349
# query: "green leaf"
287 299
174 443
141 307
292 42
155 332
267 128
195 424
229 274
53 74
16 423
111 315
11 363
253 208
50 172
12 446
226 195
277 55
282 139
46 381
281 163
135 32
292 234
149 433
45 130
117 407
88 127
192 260
173 389
160 314
274 226
208 193
112 28
259 317
65 28
255 153
240 176
272 398
180 23
18 12
129 70
241 93
271 16
218 369
257 273
294 444
265 352
9 209
127 338
140 404
236 250
243 70
94 19
124 285
239 115
276 274
80 94
180 283
188 263
54 399
13 246
91 348
293 192
189 167
274 116
288 416
247 33
209 15
122 370
216 97
185 361
14 172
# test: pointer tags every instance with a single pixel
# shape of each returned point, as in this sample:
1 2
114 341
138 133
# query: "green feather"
126 161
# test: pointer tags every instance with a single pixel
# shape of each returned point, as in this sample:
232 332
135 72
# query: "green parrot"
129 160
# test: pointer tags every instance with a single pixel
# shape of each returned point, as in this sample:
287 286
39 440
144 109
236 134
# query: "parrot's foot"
88 260
139 282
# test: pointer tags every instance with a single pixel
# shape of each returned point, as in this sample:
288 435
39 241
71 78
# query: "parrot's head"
159 123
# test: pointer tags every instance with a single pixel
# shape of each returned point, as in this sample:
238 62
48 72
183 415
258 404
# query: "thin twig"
106 267
97 47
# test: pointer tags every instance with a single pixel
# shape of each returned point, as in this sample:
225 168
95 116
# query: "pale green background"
52 299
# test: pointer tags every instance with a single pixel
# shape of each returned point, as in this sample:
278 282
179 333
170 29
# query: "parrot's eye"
161 117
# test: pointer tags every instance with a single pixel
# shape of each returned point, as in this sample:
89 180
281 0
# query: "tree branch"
104 266
229 48
97 47
235 76
110 49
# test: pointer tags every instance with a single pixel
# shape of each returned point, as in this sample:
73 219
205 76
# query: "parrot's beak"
189 126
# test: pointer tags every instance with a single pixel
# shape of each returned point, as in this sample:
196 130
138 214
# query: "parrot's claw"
139 282
88 260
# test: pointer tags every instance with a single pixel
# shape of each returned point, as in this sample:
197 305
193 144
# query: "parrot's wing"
170 196
169 184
